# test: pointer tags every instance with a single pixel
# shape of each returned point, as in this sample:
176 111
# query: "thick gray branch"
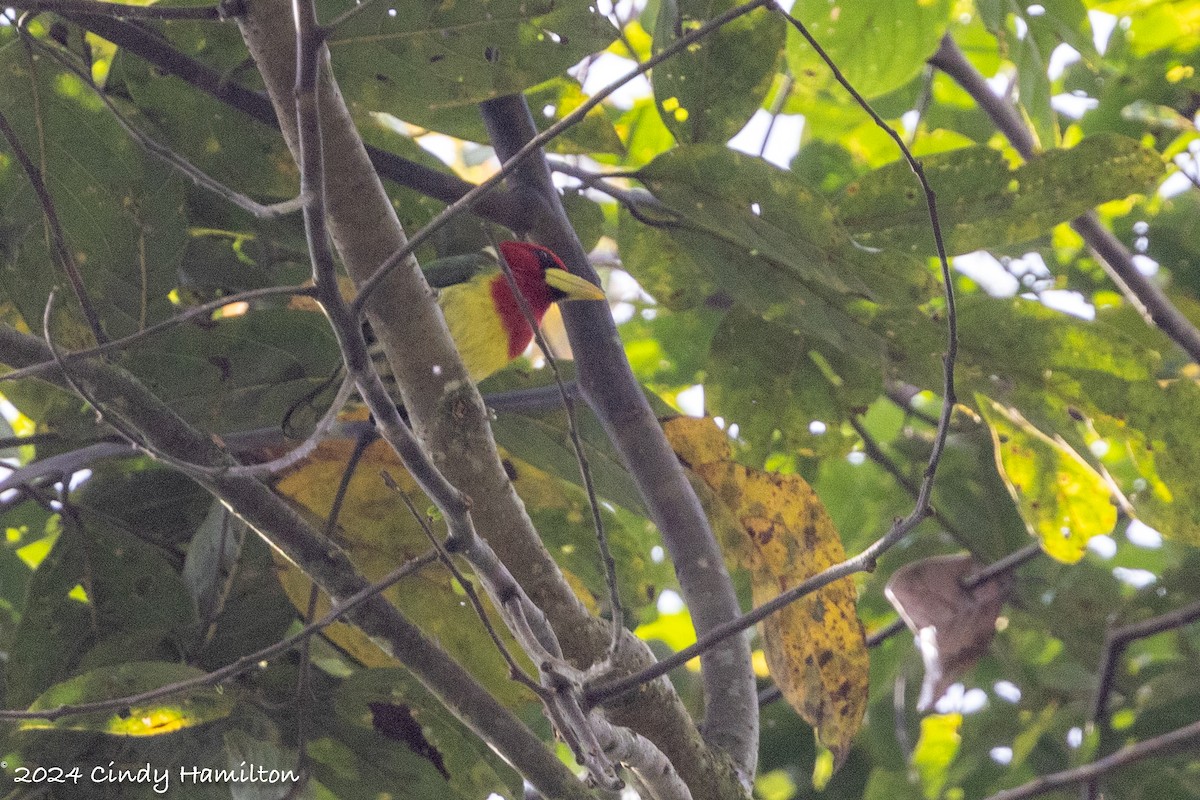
608 384
443 405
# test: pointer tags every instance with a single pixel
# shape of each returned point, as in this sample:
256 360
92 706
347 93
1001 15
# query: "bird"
483 315
481 311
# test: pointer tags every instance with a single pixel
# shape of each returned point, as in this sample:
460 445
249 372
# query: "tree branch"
1119 638
1122 758
608 384
1141 292
866 560
122 10
443 405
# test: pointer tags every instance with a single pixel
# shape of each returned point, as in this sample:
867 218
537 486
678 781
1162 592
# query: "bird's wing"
458 269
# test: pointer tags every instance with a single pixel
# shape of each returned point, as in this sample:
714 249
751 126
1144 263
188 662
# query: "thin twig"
468 588
127 431
161 151
866 560
131 437
468 200
1115 643
1141 292
136 39
876 454
606 559
361 443
203 310
776 109
1119 638
310 443
641 205
1121 758
1007 564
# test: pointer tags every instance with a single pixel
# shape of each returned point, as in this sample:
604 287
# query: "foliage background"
800 295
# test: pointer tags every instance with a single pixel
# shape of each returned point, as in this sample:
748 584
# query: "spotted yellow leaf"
776 527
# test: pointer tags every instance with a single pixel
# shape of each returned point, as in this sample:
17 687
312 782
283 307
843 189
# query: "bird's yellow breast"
475 326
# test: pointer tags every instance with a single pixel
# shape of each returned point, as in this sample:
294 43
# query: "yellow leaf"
936 750
776 527
1063 501
379 534
197 706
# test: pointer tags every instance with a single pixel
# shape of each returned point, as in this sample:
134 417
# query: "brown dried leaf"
953 625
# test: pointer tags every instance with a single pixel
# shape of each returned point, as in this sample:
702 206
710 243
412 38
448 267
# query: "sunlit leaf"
152 718
936 749
1063 500
879 45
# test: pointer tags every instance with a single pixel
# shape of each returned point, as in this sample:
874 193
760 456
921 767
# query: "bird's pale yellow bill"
573 286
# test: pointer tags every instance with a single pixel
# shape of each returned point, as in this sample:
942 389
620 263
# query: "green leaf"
890 785
878 46
540 436
710 90
152 718
666 349
240 373
431 63
770 242
644 134
397 727
970 493
983 204
1151 422
594 134
1064 501
1034 90
118 206
256 612
54 629
767 378
240 152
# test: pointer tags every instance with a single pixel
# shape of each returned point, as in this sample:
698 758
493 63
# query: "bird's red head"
528 263
543 280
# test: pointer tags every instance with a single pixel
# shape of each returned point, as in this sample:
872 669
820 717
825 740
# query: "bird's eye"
546 260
